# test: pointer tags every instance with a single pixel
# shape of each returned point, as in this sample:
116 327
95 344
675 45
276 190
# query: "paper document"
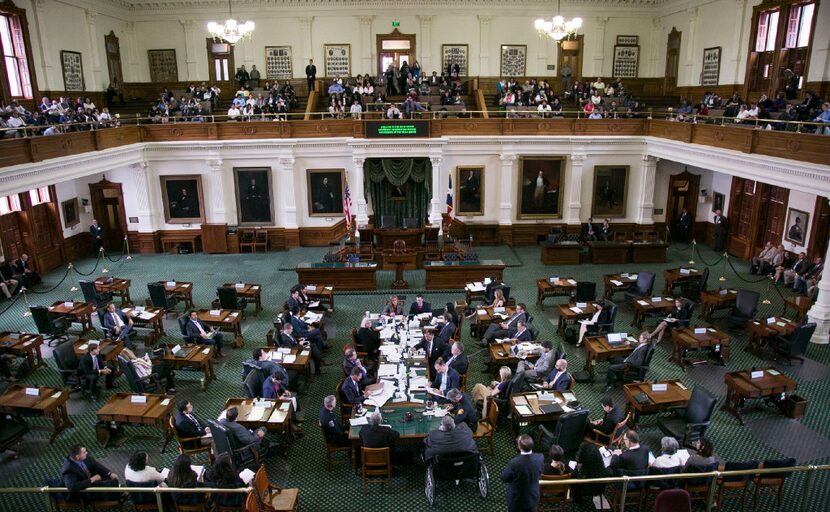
572 282
385 370
256 414
356 422
289 358
616 283
576 310
524 410
642 303
314 303
246 475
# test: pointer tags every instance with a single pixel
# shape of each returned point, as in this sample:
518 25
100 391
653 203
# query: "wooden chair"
487 427
699 489
614 438
572 382
554 497
195 507
228 508
261 240
734 484
375 464
272 498
188 445
345 408
246 240
772 481
463 383
431 251
332 449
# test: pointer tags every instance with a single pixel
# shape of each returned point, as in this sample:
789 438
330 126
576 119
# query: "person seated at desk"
353 389
559 379
522 332
678 313
222 475
139 470
491 287
498 299
119 324
188 425
447 330
432 347
287 340
273 388
376 435
506 329
240 436
633 459
394 307
268 367
462 408
618 366
445 379
540 369
302 330
419 306
296 300
182 476
589 232
449 438
555 461
369 338
198 330
91 367
669 458
351 361
333 430
494 390
600 316
144 366
81 471
611 415
606 234
458 358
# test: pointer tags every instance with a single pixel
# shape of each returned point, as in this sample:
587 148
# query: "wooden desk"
800 304
412 432
712 300
759 330
443 275
120 409
644 307
149 318
626 282
171 241
648 252
275 415
502 355
561 253
301 363
250 291
684 340
81 311
342 276
324 294
547 288
386 238
741 387
609 252
534 403
567 315
116 286
49 402
109 350
229 320
400 261
598 349
485 316
23 345
674 277
676 395
182 289
200 358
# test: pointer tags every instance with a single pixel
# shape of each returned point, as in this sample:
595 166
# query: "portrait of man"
470 191
253 196
796 226
539 189
182 197
325 192
610 190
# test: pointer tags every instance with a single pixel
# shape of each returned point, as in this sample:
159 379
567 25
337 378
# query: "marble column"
820 312
216 192
573 208
425 44
45 52
97 76
654 43
646 200
285 179
306 45
599 49
132 55
189 27
691 57
439 191
738 40
360 210
368 46
483 47
506 197
141 192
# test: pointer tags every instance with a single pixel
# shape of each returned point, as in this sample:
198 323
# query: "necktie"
199 326
84 468
192 419
449 363
95 363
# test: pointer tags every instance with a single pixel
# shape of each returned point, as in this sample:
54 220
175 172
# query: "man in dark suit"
721 229
80 471
375 435
458 358
432 347
24 272
97 233
507 328
289 339
634 459
449 438
352 388
91 367
310 75
188 425
610 417
634 359
462 409
558 379
119 324
295 300
684 223
522 332
605 232
447 330
589 232
369 338
419 306
351 361
301 330
522 475
334 431
240 436
204 335
445 378
269 368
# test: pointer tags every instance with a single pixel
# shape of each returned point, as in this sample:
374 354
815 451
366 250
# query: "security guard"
330 421
462 408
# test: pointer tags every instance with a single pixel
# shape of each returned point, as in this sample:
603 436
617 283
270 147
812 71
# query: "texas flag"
449 205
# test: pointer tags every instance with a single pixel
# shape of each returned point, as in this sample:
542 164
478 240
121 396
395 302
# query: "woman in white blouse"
137 470
669 456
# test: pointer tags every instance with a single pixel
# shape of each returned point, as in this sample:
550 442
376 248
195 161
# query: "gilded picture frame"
541 183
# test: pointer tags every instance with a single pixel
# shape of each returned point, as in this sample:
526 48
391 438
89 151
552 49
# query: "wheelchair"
454 467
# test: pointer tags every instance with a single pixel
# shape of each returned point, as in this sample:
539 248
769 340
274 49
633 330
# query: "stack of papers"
289 358
356 422
616 283
576 310
246 475
524 410
476 287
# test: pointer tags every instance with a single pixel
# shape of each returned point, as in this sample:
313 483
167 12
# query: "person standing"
685 224
97 233
310 74
522 477
721 229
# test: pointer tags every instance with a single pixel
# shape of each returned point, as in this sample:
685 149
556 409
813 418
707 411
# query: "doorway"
570 57
672 62
113 49
220 61
108 208
395 48
683 193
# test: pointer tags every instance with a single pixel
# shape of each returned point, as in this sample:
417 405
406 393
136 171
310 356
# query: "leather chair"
243 457
586 291
673 500
67 362
63 500
182 321
515 386
144 500
188 445
253 384
92 296
12 429
733 484
638 373
107 332
388 222
688 424
745 308
159 297
568 432
642 288
229 299
604 327
691 288
654 487
793 346
689 306
51 326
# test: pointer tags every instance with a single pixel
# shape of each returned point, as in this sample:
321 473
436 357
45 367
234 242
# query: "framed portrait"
253 196
182 198
710 73
278 63
455 54
398 192
470 198
513 58
73 71
163 67
71 212
626 61
325 192
337 60
541 181
797 225
610 191
718 200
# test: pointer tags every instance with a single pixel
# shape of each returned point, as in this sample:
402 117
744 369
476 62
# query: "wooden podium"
400 260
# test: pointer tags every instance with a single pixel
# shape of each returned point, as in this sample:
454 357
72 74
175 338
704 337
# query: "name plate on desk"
32 391
759 374
700 330
554 279
582 305
138 399
171 284
68 304
684 271
771 320
657 299
215 312
659 387
722 292
239 285
498 310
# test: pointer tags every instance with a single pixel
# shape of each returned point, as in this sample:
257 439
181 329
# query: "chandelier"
558 28
230 31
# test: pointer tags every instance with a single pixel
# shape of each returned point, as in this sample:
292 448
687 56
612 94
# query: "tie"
84 468
449 363
192 419
199 326
95 363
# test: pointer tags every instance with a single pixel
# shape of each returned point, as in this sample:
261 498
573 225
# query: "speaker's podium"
389 234
400 258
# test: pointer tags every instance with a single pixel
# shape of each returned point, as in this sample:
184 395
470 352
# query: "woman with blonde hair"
494 390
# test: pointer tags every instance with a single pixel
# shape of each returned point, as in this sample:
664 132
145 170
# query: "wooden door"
395 48
683 193
113 51
821 228
570 55
672 62
108 208
10 230
772 211
221 67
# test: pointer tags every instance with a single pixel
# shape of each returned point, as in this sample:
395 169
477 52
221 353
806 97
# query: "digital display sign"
396 129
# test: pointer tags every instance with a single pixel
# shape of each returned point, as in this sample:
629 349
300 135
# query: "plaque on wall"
455 54
628 40
626 60
278 63
710 74
163 67
513 59
338 59
73 71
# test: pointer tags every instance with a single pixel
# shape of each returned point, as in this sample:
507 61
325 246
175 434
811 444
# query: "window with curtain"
15 62
9 204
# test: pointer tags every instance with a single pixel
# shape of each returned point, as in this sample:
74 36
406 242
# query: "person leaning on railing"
824 117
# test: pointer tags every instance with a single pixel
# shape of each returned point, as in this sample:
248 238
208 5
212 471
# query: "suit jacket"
239 435
109 323
589 230
187 428
721 225
638 357
524 336
414 310
460 363
348 365
438 349
447 332
85 366
300 328
193 331
605 232
522 478
332 428
560 384
369 338
610 420
288 341
453 380
269 368
74 477
96 231
685 221
269 390
630 460
459 439
544 363
379 436
352 394
801 267
388 310
293 303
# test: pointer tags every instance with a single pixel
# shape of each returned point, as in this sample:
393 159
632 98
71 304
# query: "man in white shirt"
14 121
203 334
119 324
233 113
393 112
356 109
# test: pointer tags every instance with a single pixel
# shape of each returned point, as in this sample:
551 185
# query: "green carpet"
339 489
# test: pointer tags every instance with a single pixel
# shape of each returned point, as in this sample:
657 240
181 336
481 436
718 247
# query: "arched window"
17 79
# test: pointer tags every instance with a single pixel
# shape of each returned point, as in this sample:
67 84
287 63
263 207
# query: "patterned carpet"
766 435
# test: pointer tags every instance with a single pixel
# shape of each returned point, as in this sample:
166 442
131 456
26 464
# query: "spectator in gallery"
824 117
393 112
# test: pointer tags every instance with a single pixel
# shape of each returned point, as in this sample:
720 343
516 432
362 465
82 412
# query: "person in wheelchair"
449 438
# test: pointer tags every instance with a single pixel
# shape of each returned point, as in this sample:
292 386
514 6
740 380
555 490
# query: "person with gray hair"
376 435
462 408
541 368
333 429
449 438
669 455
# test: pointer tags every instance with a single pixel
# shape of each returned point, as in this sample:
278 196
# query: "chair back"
801 339
227 298
516 384
645 284
455 466
248 367
746 303
553 493
777 463
704 279
129 372
253 384
619 431
586 291
612 317
345 406
65 356
410 223
698 468
88 289
665 483
375 461
157 295
700 407
221 441
388 221
673 500
142 498
739 466
40 314
570 429
63 500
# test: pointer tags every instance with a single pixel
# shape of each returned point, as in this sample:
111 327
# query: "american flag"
449 205
347 210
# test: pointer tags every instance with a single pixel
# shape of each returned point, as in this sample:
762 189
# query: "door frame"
667 88
231 64
116 76
395 35
693 192
96 192
576 74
